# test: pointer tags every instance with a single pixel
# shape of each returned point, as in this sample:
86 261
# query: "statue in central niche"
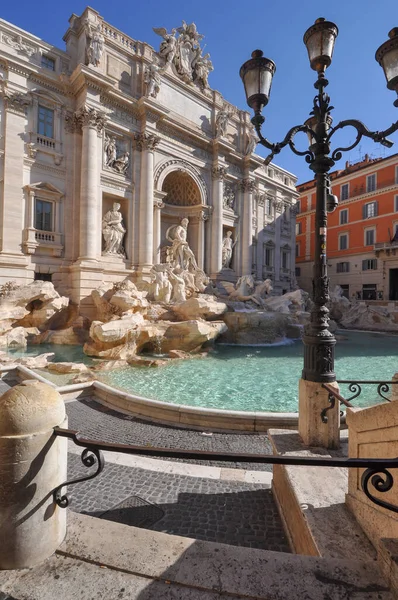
179 254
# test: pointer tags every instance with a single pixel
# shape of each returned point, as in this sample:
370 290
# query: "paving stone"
98 422
233 512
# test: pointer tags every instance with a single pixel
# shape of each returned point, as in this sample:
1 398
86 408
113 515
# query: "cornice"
359 198
83 76
29 162
115 183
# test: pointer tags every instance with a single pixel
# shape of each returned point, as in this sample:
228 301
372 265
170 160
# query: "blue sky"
233 29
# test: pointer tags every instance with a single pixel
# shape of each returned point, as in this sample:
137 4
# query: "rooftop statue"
184 53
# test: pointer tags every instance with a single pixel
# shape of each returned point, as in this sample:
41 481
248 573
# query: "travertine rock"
189 336
339 305
29 306
143 361
116 331
374 318
255 327
15 338
36 362
129 300
204 306
67 367
109 365
42 291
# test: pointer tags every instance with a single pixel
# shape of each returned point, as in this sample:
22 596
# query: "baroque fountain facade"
111 122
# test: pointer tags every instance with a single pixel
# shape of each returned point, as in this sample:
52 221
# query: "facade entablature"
20 46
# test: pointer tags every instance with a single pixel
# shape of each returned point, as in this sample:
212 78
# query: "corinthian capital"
16 102
145 141
90 117
219 172
247 185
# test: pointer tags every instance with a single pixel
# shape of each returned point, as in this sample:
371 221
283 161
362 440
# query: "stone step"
311 502
103 559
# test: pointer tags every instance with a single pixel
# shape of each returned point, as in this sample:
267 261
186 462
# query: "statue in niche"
152 80
113 158
252 142
167 48
222 121
228 196
96 46
179 254
110 150
228 245
113 231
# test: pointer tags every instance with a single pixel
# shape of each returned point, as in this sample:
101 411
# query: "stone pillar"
202 218
32 463
146 144
12 217
157 207
247 188
92 123
218 174
313 398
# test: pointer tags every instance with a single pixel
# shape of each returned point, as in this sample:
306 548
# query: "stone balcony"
37 241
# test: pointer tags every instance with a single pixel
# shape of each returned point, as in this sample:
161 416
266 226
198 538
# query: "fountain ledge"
166 412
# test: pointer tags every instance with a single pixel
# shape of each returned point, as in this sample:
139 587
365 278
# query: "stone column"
218 174
247 188
32 463
157 207
92 123
260 219
12 217
146 144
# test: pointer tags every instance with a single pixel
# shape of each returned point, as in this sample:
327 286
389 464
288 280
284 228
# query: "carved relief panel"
116 154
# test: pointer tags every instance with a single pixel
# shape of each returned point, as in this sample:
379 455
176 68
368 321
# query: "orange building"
362 243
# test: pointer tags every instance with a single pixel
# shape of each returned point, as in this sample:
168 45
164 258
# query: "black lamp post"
257 75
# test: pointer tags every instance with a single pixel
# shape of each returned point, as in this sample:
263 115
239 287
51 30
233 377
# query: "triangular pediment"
44 186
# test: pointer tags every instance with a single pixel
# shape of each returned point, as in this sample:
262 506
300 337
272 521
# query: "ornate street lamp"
257 75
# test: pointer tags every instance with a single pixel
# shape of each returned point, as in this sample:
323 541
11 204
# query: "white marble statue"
202 66
252 141
247 290
96 47
167 48
152 80
178 283
222 121
109 150
185 54
113 231
161 287
228 245
179 253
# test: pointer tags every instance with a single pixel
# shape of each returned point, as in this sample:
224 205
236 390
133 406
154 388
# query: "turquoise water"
249 378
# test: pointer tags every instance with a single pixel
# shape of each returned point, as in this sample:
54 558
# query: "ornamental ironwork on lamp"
257 74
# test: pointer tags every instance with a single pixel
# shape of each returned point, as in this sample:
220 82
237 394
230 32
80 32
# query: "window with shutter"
371 183
43 215
370 235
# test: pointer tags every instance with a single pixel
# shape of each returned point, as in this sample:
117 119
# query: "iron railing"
355 387
376 472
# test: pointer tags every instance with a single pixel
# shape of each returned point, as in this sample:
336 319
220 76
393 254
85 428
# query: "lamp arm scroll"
288 140
362 131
